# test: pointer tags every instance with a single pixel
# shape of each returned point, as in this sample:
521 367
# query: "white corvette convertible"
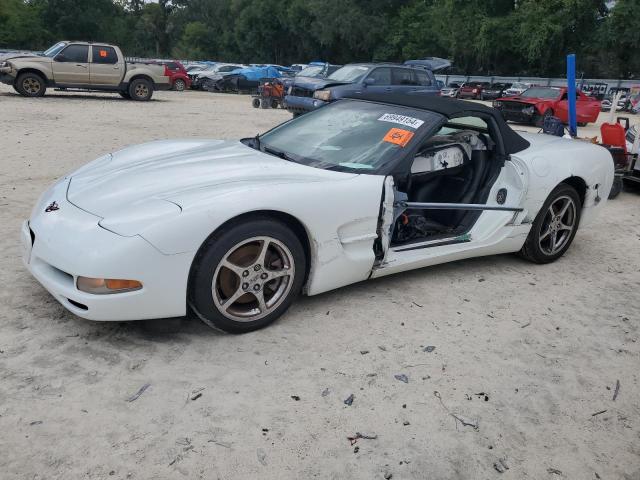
361 188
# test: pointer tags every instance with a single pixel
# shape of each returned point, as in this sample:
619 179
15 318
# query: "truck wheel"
179 85
140 90
30 85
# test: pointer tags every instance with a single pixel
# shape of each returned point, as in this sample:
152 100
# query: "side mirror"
369 81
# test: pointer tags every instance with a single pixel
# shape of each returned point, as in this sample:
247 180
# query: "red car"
472 89
536 103
178 74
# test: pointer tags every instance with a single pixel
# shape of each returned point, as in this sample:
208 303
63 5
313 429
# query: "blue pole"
571 93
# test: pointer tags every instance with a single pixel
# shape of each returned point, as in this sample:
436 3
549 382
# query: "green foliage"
481 36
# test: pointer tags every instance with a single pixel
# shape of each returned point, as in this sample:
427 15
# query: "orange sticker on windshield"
103 53
398 136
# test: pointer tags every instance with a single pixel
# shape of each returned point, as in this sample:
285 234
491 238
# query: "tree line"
490 37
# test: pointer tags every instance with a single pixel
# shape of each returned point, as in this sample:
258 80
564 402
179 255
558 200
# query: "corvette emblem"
52 207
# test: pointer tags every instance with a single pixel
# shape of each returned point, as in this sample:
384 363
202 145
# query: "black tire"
538 120
255 103
125 95
140 90
218 247
532 249
274 104
616 187
179 85
31 85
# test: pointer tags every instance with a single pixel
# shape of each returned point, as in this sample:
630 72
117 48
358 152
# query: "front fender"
339 216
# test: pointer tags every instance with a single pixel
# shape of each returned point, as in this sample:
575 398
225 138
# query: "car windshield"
313 71
348 135
541 92
349 73
54 50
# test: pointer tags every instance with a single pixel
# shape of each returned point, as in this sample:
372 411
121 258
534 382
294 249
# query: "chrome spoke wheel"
141 90
557 226
253 278
31 85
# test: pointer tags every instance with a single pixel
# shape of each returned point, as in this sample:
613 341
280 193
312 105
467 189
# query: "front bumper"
517 116
61 245
6 77
302 104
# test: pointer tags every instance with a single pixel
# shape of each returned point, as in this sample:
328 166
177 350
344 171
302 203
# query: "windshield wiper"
277 153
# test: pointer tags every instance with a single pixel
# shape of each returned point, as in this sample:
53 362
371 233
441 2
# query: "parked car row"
415 76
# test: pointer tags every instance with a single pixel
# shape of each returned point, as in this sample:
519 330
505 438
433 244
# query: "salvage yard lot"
528 353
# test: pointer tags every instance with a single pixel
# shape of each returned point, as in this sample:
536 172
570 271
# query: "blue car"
306 94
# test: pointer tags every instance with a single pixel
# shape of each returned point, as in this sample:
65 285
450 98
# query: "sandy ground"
529 353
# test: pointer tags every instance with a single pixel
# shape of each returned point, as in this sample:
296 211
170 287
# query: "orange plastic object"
613 134
398 136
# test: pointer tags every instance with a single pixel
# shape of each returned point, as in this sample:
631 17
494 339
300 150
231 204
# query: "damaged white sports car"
361 188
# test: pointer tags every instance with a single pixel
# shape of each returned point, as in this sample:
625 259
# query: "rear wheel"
30 85
616 187
140 89
255 102
246 276
554 227
179 85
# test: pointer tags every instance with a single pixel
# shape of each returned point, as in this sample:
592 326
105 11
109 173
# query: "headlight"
101 286
324 95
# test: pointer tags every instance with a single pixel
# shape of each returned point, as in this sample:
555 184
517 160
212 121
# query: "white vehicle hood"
160 174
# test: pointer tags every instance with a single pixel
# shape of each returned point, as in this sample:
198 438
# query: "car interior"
456 165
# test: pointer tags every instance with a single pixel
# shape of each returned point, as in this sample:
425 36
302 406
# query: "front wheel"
554 227
538 120
30 85
179 85
246 276
140 90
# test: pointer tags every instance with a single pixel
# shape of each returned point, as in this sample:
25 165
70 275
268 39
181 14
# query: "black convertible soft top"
450 108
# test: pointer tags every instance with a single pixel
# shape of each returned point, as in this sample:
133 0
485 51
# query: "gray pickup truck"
84 66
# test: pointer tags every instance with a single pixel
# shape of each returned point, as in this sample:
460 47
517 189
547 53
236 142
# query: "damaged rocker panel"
454 206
